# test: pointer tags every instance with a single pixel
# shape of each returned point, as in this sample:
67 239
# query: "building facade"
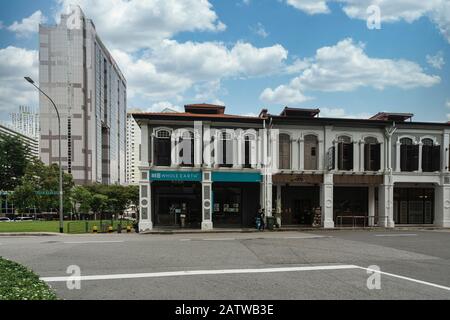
26 121
77 71
204 169
31 143
133 150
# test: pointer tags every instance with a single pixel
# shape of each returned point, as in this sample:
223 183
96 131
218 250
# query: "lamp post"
61 210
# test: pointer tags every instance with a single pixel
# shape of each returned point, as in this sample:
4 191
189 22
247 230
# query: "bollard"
94 229
110 229
128 229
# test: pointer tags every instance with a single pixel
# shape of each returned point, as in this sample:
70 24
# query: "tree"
13 161
39 186
98 204
82 197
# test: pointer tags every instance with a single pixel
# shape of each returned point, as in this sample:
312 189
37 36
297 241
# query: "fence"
77 227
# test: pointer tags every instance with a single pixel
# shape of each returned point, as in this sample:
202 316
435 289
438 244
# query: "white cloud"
163 106
341 113
437 61
15 63
28 25
346 67
260 30
284 94
310 6
391 10
209 61
447 103
129 25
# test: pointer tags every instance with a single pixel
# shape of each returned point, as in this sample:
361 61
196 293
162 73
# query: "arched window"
162 148
248 141
187 149
409 155
345 153
311 152
284 151
372 154
431 156
226 150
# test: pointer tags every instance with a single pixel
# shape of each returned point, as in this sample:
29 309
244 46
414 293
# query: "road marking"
397 235
196 273
232 271
90 242
408 278
220 239
185 239
305 237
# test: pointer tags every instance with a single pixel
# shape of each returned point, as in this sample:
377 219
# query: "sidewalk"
29 234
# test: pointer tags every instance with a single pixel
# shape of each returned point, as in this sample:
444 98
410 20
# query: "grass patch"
51 226
19 283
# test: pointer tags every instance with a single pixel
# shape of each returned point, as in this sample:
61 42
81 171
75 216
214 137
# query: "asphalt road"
281 265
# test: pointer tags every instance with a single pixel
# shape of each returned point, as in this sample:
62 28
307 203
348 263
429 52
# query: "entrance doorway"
351 205
413 205
297 205
172 201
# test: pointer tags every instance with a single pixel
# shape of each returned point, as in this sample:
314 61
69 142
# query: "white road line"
220 239
305 237
90 242
397 235
409 279
196 272
184 240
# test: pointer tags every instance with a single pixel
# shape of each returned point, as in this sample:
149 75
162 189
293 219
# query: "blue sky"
253 54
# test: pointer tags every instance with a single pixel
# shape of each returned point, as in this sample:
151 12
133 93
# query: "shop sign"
175 176
236 177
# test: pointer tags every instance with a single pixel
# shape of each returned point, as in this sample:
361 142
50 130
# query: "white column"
355 156
268 192
237 152
198 142
442 206
173 150
145 202
386 204
294 154
420 156
217 152
336 154
361 156
383 166
301 154
207 201
371 221
279 208
397 157
326 201
144 145
207 147
446 152
321 152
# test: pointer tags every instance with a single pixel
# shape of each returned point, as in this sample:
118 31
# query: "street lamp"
61 212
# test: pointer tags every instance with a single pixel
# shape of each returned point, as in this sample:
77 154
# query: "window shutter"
350 156
367 157
403 157
436 158
376 157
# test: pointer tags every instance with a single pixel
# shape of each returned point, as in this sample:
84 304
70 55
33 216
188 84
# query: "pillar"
321 152
397 157
386 204
361 156
420 156
442 206
279 208
355 156
145 202
144 145
301 154
371 221
326 201
207 201
383 166
445 152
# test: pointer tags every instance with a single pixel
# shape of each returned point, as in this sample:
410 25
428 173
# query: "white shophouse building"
384 171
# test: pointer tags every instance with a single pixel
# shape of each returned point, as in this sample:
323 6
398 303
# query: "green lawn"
51 226
19 283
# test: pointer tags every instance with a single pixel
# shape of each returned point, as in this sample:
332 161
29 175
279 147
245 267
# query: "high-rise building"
133 149
26 121
78 72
